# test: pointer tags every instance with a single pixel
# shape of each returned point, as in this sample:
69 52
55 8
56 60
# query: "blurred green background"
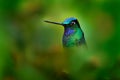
31 49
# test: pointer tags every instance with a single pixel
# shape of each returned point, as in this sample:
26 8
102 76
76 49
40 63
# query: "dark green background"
31 49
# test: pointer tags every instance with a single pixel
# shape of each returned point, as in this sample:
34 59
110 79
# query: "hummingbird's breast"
72 37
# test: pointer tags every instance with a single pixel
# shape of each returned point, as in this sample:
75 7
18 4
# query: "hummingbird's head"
68 23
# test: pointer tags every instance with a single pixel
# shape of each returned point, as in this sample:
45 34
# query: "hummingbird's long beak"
54 22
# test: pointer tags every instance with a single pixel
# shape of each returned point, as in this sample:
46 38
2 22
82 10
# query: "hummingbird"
73 34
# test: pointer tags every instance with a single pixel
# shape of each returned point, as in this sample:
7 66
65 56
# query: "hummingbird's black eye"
72 23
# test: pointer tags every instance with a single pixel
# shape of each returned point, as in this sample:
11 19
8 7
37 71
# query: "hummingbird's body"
73 34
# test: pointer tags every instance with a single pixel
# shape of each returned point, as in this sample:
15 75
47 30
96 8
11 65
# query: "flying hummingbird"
73 34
